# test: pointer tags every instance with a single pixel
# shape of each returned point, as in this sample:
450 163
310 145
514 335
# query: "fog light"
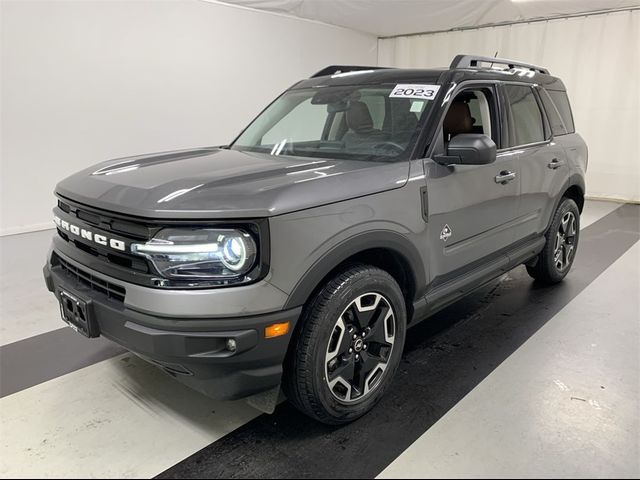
276 330
231 345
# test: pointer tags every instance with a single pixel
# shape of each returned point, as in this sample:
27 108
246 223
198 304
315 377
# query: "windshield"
346 122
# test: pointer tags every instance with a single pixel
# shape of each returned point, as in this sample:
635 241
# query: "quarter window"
561 101
526 115
555 120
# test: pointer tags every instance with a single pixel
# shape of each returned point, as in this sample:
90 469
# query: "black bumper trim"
192 350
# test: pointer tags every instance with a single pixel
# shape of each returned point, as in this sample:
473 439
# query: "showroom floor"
517 379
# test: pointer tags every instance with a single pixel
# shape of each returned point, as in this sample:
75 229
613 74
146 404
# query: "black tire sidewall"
360 282
548 265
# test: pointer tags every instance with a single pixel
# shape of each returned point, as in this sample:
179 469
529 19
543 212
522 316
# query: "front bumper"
193 350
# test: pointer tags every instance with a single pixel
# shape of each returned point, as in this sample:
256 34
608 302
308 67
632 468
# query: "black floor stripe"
445 358
35 360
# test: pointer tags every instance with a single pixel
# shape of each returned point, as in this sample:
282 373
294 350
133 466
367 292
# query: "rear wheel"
556 258
348 347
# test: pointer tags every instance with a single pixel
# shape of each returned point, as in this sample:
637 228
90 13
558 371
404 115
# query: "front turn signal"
276 330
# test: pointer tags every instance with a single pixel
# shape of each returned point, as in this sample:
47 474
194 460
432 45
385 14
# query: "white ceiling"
398 17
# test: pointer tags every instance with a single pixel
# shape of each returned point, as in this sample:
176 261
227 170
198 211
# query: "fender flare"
353 245
575 180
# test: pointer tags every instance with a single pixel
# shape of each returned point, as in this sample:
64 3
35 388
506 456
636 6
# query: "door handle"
555 163
505 177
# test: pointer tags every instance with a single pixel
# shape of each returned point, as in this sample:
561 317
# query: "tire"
319 380
556 258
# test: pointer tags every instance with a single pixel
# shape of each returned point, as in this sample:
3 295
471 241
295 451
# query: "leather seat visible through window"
458 120
361 132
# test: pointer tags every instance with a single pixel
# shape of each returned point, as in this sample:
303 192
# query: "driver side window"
471 111
481 114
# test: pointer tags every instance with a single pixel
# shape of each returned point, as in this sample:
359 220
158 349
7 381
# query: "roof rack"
333 69
473 61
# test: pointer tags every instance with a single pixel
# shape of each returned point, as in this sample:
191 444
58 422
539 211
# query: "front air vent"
88 217
111 290
64 207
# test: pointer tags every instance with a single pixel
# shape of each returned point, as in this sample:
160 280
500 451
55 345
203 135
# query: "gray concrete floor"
564 405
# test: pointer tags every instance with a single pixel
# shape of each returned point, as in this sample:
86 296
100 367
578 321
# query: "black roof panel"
378 75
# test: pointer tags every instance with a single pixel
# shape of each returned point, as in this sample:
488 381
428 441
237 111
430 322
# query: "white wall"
598 58
84 81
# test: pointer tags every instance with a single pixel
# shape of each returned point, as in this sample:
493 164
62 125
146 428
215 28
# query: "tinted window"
561 102
557 124
526 114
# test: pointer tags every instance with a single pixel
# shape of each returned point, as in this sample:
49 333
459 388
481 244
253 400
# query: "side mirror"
468 149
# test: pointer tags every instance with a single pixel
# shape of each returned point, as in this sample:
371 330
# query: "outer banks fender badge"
445 233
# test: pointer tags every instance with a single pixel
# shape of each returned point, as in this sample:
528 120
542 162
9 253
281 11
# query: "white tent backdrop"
403 17
598 58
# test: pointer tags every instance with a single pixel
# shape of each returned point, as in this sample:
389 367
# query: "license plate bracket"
78 314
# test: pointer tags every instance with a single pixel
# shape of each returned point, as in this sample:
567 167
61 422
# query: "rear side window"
561 101
528 125
555 120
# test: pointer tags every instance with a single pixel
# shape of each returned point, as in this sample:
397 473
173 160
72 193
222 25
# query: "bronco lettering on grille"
89 235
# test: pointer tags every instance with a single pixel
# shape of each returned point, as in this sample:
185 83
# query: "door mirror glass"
469 149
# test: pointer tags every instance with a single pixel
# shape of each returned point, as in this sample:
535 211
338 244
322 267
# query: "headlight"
200 253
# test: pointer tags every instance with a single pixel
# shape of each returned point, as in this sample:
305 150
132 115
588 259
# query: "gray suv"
357 204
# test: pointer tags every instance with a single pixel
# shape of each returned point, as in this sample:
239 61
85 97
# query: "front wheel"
348 347
556 258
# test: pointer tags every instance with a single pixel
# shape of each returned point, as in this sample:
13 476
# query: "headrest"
458 119
359 118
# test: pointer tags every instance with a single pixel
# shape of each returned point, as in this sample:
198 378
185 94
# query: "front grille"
108 221
123 260
110 225
76 222
111 290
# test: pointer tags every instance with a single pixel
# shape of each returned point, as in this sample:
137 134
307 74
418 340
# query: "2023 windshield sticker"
411 90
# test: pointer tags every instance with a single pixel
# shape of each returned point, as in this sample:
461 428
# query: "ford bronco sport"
358 203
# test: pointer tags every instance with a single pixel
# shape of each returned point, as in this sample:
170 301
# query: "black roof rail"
333 69
472 61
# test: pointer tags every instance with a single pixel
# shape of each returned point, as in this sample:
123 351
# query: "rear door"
541 161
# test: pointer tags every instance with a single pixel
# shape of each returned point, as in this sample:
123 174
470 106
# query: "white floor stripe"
120 418
576 415
594 210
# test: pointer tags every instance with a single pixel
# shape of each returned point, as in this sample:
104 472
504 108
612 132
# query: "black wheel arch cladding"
350 250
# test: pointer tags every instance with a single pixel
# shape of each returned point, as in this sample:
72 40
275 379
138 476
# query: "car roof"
374 76
462 68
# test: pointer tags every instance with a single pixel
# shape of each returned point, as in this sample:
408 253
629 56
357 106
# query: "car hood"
222 183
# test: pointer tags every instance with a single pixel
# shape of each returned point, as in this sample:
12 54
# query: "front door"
471 208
